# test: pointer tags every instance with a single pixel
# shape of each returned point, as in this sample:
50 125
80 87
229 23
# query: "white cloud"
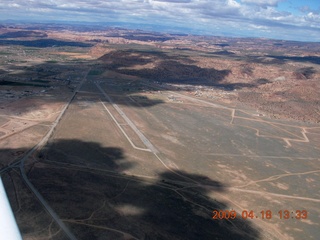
263 2
173 1
313 19
14 5
243 16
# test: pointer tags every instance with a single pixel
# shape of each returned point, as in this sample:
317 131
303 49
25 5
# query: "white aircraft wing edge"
8 226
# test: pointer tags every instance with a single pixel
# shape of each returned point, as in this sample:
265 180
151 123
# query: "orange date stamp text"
263 214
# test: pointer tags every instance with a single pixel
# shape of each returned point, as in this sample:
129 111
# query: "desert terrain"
127 134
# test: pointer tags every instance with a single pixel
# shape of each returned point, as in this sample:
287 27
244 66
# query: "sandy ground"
209 156
134 160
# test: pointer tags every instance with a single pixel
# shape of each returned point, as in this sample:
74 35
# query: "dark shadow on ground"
280 60
305 73
224 53
140 101
165 68
234 86
85 184
310 59
85 153
19 34
54 78
150 64
44 43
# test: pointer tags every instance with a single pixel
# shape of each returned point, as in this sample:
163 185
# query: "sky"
297 20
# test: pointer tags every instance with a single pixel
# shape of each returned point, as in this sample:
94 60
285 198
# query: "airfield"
116 156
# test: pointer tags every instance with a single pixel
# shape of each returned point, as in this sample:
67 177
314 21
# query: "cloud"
173 1
263 3
235 16
313 18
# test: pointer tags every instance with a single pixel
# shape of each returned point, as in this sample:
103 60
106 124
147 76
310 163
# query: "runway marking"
145 141
148 144
124 133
